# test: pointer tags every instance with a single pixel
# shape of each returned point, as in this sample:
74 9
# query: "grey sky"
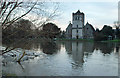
96 13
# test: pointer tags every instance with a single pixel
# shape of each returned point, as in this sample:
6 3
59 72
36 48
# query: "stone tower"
78 24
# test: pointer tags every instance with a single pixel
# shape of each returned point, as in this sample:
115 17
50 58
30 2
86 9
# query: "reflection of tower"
77 53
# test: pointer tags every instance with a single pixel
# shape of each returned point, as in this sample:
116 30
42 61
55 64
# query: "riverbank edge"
90 40
116 40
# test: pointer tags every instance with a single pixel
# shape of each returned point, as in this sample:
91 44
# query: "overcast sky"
97 13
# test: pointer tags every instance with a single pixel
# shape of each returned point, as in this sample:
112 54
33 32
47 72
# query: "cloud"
82 0
97 13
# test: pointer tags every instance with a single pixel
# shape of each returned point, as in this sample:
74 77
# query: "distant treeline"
106 33
25 29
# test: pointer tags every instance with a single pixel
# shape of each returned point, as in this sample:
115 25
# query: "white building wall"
119 12
79 24
74 33
80 33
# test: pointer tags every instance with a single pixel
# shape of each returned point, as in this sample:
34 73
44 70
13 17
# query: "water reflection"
69 58
77 51
49 47
28 45
81 50
46 46
105 48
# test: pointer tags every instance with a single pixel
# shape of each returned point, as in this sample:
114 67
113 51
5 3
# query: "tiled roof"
90 26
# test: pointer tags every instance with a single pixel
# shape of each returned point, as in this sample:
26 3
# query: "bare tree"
38 12
43 13
11 11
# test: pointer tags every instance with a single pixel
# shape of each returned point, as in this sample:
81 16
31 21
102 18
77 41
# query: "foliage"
11 11
103 34
50 30
107 30
98 36
20 29
15 29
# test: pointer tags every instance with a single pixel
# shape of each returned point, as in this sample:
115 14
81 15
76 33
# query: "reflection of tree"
22 44
88 46
49 47
46 45
105 48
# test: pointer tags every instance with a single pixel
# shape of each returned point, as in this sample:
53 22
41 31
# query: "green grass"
64 39
8 74
116 40
90 40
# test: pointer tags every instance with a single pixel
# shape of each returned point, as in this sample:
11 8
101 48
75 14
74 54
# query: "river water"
68 58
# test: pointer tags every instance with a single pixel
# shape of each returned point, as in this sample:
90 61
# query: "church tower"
78 24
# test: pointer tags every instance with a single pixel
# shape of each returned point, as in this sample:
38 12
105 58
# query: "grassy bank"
63 39
116 40
90 40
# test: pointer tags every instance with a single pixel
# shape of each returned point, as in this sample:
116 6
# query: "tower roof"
87 23
70 24
78 13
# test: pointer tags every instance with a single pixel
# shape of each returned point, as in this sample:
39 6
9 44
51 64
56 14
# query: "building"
88 31
78 24
76 29
69 31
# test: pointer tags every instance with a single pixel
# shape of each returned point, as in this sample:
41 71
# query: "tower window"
77 26
76 18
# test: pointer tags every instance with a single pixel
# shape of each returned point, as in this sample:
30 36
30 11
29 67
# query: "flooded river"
68 58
